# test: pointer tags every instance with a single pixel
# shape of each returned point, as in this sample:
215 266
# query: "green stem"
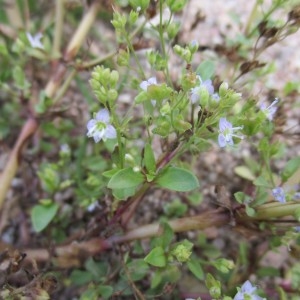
129 44
162 42
65 86
276 210
251 18
58 30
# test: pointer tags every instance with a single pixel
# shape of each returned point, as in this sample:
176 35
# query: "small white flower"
226 132
247 289
270 110
100 128
35 40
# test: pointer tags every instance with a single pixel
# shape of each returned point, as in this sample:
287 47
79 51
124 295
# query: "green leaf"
123 194
97 269
125 178
79 277
105 291
137 269
177 179
267 272
250 211
94 163
290 168
156 279
42 215
167 234
261 181
195 267
206 69
149 159
175 208
156 257
141 97
244 172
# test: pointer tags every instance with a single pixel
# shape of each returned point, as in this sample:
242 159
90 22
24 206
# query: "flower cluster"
99 128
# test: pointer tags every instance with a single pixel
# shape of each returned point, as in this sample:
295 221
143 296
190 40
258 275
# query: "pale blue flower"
195 92
270 110
100 128
226 133
279 194
35 41
247 290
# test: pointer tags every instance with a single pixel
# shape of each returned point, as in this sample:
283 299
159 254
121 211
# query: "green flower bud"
139 4
112 95
176 5
178 50
173 30
193 46
96 74
204 96
223 89
123 58
113 78
182 253
187 55
215 292
224 265
119 21
166 109
133 16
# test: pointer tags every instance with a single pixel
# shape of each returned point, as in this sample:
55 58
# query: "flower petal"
208 85
98 135
144 85
248 288
103 116
90 124
111 132
222 140
224 124
152 80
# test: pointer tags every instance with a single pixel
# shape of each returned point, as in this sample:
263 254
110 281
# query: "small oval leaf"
177 179
149 159
125 178
156 257
42 215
